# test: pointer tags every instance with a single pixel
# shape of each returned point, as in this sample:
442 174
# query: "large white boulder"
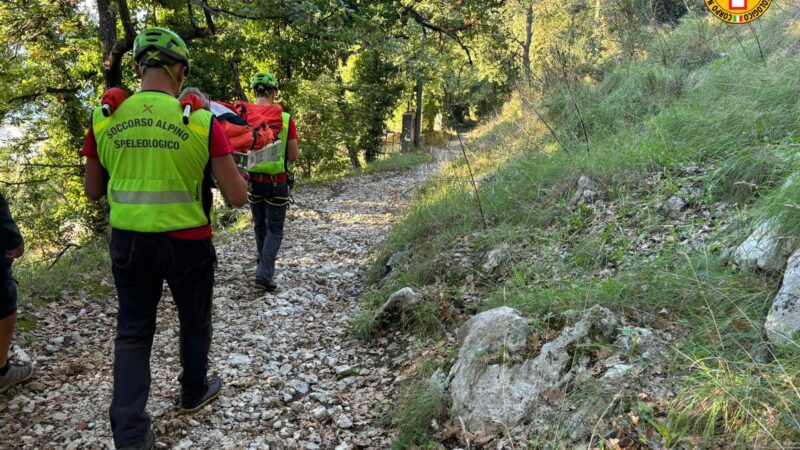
764 249
783 320
497 382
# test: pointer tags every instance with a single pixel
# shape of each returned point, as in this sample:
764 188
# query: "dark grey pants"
268 220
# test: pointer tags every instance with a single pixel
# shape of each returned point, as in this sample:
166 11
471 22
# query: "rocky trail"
292 378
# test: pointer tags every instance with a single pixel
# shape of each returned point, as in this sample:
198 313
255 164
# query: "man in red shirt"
156 171
269 194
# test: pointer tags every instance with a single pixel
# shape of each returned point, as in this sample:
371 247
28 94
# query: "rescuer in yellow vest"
269 189
156 173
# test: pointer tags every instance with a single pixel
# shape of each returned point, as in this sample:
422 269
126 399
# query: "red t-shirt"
219 146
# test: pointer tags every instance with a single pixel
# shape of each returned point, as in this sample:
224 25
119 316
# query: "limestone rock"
617 371
587 191
675 205
398 303
783 320
486 179
490 391
764 249
642 340
396 261
495 258
344 422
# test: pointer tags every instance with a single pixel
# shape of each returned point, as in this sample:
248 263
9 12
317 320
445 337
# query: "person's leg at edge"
8 313
192 286
10 375
6 333
139 289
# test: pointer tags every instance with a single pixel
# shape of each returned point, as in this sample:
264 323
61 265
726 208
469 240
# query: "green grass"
664 125
424 402
396 162
84 271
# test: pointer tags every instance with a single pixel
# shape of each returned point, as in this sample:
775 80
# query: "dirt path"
291 377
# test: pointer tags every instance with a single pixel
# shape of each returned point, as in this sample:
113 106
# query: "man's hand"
17 252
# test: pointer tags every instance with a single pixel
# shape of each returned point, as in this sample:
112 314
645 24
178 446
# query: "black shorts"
8 291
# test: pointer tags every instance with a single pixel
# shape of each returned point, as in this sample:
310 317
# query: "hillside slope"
689 149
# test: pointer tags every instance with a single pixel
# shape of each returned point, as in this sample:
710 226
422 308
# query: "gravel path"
291 376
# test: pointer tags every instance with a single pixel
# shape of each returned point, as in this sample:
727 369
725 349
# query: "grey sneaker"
214 387
14 376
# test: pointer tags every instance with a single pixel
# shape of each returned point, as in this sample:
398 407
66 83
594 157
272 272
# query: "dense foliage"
344 69
347 70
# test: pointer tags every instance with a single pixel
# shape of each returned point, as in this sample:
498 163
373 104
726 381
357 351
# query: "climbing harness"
274 180
272 201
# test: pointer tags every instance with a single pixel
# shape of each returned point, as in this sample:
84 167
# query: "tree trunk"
112 71
347 117
418 114
237 84
113 49
526 47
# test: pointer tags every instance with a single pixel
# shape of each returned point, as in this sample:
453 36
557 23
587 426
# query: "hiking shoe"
148 444
214 386
266 285
14 376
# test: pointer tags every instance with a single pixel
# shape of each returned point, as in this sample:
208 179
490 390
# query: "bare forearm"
95 182
292 151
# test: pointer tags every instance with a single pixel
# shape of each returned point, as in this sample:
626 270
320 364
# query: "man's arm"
94 184
292 151
11 242
230 182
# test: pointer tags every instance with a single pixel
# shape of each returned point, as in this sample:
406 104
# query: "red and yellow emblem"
738 11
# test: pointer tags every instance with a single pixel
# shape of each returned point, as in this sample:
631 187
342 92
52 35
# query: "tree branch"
240 15
209 19
55 166
127 25
47 91
450 32
26 182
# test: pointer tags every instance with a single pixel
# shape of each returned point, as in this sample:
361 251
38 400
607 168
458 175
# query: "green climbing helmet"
266 79
163 40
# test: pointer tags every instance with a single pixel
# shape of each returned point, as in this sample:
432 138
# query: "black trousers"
8 289
141 262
